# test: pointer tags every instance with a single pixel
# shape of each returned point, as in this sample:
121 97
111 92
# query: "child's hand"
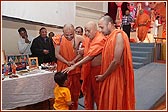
70 103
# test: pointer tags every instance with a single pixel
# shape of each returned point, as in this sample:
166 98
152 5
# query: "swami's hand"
80 51
70 63
68 69
100 78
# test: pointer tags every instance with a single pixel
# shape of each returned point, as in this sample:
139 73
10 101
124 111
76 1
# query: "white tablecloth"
29 89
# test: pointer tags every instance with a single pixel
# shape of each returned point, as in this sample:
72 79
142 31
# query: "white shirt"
24 48
155 27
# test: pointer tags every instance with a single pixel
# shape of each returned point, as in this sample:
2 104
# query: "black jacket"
38 45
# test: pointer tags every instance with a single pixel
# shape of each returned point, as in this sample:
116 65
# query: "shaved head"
68 27
107 19
90 29
106 25
92 25
69 31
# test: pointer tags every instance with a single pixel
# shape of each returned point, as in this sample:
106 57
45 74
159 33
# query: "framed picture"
33 62
18 59
21 61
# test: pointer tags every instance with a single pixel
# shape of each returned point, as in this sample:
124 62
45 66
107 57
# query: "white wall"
84 15
99 6
85 12
48 12
91 5
89 11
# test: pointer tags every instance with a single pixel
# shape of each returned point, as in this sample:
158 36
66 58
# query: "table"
28 89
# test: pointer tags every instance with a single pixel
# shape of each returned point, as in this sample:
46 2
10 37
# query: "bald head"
68 31
106 19
106 25
68 27
91 25
90 29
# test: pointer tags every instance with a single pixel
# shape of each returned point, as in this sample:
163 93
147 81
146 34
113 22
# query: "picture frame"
20 58
33 62
21 61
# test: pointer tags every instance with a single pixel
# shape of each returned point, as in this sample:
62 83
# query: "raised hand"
27 40
68 69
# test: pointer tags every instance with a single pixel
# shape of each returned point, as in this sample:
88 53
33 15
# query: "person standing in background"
25 41
127 19
43 48
79 30
155 26
142 23
51 34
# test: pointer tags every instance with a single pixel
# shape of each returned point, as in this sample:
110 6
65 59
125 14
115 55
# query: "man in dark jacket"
43 48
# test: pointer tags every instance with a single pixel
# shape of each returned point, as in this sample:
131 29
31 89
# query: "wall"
85 12
52 12
89 11
91 5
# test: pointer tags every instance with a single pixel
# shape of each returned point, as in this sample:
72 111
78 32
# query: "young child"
61 93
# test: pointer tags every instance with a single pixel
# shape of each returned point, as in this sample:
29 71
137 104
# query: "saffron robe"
142 29
117 89
90 86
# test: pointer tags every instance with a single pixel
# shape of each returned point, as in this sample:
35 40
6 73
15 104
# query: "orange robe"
90 87
73 81
142 30
87 65
117 90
